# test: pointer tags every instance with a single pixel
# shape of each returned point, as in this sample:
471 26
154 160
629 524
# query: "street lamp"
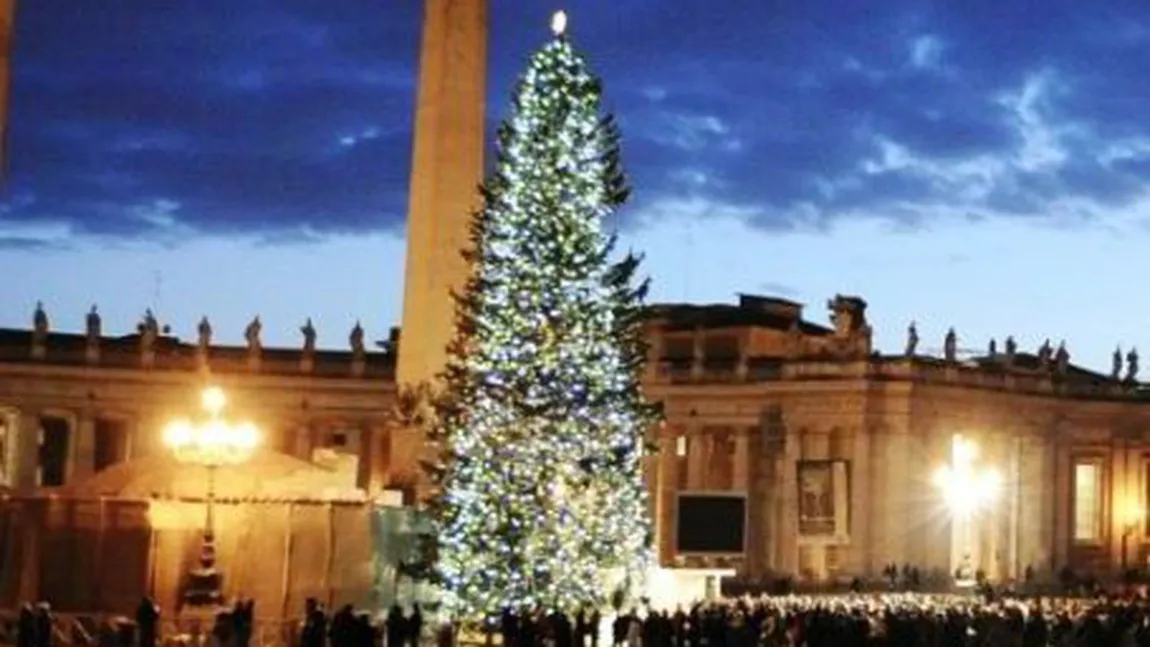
212 443
966 490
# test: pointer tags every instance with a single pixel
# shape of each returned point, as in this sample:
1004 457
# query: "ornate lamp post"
966 490
213 443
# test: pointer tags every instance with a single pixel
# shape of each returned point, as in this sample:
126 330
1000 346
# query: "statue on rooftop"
149 330
911 339
204 330
355 339
1116 364
252 335
92 325
992 349
1132 365
1062 359
308 331
40 321
1011 349
1045 353
950 345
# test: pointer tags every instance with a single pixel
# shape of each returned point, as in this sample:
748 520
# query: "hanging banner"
824 498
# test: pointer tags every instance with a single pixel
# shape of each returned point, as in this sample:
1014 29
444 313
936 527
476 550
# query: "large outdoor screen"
713 524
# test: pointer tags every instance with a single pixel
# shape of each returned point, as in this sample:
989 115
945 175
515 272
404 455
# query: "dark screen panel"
711 523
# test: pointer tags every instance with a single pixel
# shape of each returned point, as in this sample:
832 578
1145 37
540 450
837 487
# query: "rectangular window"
111 443
1087 502
681 446
54 442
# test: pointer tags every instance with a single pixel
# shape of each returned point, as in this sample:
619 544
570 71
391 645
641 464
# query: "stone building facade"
759 402
72 404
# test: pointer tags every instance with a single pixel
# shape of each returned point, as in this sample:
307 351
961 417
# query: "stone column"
740 476
758 503
655 353
1061 522
1034 496
26 466
696 457
861 510
303 442
82 461
897 515
366 454
787 521
741 368
698 356
666 481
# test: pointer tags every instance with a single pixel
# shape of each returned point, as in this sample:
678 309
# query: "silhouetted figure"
363 633
147 617
342 628
223 631
581 628
314 633
415 625
26 627
619 629
43 632
595 622
527 629
243 621
561 629
396 626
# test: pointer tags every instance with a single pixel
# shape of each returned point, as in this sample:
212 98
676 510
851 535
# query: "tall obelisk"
446 170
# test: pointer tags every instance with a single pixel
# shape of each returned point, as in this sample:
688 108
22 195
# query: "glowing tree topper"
541 420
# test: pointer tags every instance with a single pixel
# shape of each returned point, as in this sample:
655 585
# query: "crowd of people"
856 620
849 620
351 628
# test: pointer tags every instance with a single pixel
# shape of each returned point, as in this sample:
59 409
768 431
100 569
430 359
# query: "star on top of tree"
559 22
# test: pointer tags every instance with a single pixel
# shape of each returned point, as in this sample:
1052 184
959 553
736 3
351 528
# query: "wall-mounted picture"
824 498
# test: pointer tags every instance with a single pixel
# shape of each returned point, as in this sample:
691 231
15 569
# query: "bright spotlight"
964 488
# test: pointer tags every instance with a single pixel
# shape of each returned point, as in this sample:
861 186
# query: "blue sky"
977 164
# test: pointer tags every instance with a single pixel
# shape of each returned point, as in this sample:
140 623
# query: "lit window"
1087 502
681 446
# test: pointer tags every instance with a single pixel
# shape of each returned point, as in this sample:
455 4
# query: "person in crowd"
395 627
415 625
243 621
26 627
314 632
43 625
342 630
147 622
223 630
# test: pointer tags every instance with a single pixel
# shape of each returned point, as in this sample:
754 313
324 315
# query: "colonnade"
91 440
894 514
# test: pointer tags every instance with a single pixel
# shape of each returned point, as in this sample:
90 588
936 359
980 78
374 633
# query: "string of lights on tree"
542 423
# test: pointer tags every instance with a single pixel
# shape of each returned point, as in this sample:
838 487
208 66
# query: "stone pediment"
268 475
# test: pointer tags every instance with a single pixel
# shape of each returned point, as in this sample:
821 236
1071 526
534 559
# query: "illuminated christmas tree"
542 422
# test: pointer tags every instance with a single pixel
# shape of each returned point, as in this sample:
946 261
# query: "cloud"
272 118
926 52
